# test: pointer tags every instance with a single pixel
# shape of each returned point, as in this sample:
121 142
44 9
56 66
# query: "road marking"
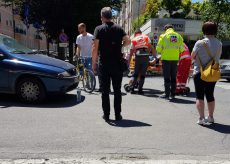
224 86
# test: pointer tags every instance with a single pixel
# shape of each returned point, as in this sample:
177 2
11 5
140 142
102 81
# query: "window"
0 17
7 23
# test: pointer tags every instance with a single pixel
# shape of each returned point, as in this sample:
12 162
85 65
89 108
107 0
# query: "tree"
218 12
55 15
177 8
151 9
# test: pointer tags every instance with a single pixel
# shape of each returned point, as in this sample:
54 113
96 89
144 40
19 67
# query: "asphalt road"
152 128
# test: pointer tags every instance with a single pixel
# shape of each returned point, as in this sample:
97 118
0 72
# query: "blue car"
32 76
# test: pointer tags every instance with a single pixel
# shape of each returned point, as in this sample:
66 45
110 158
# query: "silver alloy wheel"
30 91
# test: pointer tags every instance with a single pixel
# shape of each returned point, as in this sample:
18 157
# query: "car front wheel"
30 90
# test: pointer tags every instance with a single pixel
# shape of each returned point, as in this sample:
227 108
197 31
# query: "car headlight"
64 74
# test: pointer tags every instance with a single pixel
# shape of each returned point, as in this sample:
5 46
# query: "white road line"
224 86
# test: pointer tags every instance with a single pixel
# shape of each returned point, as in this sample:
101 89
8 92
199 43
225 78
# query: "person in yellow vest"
170 45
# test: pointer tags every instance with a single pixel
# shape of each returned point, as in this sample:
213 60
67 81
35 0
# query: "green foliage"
217 11
151 9
177 8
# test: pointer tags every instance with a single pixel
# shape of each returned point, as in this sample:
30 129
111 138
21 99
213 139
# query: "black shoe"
164 96
133 92
118 117
140 92
106 118
172 97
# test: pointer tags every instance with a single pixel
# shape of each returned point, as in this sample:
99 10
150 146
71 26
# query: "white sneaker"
201 121
210 120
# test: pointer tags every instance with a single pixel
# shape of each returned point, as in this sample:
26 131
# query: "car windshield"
12 46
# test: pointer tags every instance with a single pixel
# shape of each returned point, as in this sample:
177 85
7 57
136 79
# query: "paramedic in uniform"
170 45
141 48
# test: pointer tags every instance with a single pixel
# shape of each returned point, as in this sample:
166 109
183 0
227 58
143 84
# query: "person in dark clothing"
109 39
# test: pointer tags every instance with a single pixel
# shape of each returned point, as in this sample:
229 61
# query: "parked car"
225 61
31 76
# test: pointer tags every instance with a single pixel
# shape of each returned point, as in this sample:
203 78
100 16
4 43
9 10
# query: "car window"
13 46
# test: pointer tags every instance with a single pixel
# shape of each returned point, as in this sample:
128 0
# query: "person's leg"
136 72
166 73
199 87
209 93
173 77
143 70
200 107
116 82
105 84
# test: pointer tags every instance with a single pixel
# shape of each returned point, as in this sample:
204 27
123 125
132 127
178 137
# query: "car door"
4 73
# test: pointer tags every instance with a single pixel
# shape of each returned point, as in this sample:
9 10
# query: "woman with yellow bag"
206 54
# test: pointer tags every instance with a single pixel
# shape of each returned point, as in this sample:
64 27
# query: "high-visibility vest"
141 41
170 45
186 53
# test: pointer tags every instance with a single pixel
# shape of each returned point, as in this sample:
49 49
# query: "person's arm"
78 50
154 53
95 54
126 41
159 47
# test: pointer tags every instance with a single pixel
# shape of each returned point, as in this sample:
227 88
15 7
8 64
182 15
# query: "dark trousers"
107 76
170 72
141 66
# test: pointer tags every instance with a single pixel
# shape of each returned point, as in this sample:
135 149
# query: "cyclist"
84 43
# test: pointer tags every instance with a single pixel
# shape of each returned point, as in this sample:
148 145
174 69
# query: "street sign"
63 38
63 45
155 38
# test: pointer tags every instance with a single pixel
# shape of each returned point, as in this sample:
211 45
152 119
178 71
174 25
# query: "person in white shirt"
84 43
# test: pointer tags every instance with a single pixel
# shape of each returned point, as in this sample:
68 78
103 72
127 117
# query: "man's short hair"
82 25
168 26
210 28
106 13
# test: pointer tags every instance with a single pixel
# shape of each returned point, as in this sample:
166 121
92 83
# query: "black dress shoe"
118 117
106 118
164 96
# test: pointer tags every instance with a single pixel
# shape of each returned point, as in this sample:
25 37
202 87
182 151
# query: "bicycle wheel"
89 81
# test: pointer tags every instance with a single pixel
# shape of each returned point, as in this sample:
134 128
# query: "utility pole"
138 19
13 19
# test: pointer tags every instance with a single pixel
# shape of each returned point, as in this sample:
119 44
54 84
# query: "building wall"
22 34
130 11
189 29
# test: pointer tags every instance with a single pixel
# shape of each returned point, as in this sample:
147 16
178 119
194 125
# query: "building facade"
130 10
191 30
12 25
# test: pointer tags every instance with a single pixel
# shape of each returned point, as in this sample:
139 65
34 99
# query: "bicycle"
86 76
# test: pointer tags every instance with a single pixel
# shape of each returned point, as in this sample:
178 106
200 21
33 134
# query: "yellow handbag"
211 73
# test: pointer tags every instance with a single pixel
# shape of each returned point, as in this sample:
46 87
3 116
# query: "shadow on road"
152 92
57 101
182 101
221 128
128 124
